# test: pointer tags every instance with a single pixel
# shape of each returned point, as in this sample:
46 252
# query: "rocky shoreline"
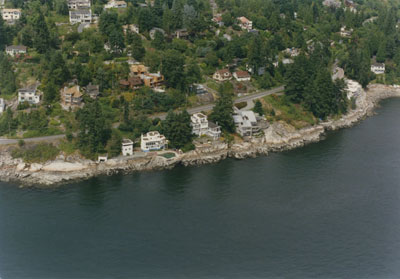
277 137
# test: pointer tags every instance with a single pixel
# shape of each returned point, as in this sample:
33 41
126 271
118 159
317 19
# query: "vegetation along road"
161 116
246 98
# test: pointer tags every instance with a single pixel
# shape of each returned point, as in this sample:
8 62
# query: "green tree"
258 108
177 129
41 36
138 51
172 67
223 111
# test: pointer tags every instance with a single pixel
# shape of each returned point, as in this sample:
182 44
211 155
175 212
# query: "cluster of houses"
225 75
246 122
71 96
140 76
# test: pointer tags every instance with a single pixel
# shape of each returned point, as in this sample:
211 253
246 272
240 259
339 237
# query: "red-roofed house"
242 76
244 23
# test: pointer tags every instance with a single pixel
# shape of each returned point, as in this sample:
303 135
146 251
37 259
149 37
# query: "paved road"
38 139
161 116
238 100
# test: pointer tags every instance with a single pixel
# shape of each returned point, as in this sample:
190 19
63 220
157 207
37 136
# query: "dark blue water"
329 210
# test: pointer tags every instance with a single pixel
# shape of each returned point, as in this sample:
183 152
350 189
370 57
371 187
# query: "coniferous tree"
41 36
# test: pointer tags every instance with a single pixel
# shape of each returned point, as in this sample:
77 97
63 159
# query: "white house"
246 123
2 105
293 52
245 23
30 94
11 14
78 4
130 27
15 50
332 3
201 126
242 76
127 147
153 141
222 75
346 33
80 16
378 68
115 4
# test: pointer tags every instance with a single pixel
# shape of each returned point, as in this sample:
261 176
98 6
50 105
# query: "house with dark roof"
15 50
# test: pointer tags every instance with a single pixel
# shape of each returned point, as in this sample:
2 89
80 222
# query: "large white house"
153 141
378 68
80 16
78 4
245 23
115 4
201 126
246 123
127 147
15 50
10 14
2 105
30 94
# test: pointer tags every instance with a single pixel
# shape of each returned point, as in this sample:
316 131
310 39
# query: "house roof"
242 74
74 91
223 71
243 19
20 47
134 81
378 65
124 82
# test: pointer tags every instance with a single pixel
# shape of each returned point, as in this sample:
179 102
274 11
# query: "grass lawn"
279 108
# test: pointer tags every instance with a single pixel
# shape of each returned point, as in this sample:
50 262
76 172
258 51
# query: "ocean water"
328 210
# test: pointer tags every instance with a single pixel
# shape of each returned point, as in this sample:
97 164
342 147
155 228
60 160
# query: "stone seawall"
277 137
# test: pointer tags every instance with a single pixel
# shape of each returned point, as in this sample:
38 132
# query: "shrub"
41 152
241 105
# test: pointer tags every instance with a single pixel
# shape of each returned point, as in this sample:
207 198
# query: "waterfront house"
15 50
10 15
80 16
222 75
153 141
93 91
71 96
130 27
246 123
113 4
78 4
102 158
245 23
202 126
2 105
242 76
378 68
30 94
127 147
